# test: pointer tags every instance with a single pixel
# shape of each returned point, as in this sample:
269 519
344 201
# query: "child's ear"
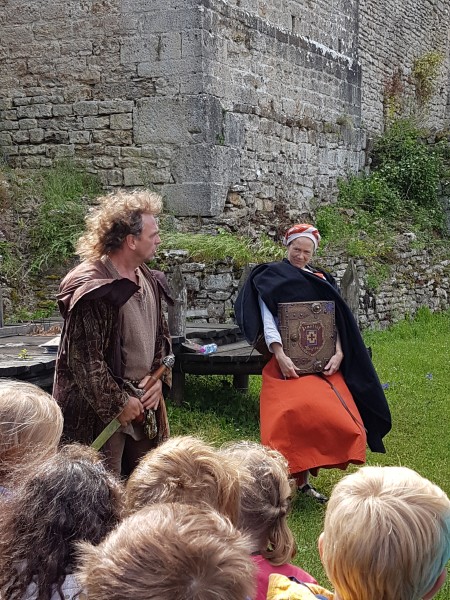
320 544
437 586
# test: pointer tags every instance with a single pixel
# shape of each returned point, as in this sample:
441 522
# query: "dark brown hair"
70 497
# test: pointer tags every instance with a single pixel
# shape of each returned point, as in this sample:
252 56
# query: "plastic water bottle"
208 348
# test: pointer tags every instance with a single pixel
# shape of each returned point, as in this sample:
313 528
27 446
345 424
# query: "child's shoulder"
283 588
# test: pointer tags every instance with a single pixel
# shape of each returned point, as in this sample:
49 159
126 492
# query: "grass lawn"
412 359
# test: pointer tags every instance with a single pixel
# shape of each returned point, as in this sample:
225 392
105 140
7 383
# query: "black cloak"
282 282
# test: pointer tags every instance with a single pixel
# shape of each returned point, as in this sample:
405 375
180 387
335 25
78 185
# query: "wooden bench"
236 358
30 355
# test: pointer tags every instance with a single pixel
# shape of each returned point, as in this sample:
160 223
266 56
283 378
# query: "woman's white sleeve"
271 333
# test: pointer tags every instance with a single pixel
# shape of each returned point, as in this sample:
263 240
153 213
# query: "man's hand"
152 396
133 408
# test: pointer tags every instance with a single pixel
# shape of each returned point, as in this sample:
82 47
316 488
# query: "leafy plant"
9 260
424 72
400 194
223 246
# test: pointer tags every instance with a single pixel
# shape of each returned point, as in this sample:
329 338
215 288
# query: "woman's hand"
333 364
286 365
335 361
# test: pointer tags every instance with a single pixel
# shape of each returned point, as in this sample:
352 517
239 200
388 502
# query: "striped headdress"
302 230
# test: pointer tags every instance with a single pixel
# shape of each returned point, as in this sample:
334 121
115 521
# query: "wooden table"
23 357
235 358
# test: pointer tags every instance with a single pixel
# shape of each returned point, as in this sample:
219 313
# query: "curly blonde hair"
186 469
265 500
118 214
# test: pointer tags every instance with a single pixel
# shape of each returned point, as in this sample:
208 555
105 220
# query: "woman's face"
300 252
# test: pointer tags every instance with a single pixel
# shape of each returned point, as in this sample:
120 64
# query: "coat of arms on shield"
308 333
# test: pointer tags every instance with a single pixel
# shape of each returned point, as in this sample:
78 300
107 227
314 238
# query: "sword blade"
104 436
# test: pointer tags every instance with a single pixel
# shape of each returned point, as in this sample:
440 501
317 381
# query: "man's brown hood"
92 280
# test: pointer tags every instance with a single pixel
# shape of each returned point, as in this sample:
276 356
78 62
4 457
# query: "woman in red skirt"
320 419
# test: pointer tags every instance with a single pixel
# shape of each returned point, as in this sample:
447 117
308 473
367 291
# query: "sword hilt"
167 363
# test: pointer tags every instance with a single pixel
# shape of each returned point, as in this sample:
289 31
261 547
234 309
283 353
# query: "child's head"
168 551
386 535
31 424
185 469
265 500
69 497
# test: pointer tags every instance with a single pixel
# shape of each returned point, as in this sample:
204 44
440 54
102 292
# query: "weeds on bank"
41 216
223 246
47 209
401 194
65 192
411 359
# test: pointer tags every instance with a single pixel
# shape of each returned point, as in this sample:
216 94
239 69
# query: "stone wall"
291 106
416 278
419 279
392 35
246 111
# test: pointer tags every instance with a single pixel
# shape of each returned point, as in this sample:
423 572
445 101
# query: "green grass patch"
65 194
224 246
411 357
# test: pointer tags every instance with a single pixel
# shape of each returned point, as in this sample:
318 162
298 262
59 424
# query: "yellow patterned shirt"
282 588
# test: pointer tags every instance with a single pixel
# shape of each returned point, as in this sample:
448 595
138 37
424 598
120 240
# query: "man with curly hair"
114 329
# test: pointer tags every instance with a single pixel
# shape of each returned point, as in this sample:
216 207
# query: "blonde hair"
265 500
168 551
386 535
185 469
119 214
31 424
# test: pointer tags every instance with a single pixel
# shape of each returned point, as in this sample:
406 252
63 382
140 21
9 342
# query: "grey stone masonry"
420 278
239 111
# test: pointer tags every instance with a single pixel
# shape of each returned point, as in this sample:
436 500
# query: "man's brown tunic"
89 369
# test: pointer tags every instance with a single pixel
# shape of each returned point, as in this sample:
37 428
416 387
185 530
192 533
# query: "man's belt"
167 363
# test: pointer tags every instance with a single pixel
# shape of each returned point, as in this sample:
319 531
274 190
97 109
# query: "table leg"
178 385
240 382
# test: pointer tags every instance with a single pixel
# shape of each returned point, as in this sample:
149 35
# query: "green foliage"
223 246
400 194
24 315
393 96
9 262
424 72
411 359
411 169
371 193
65 193
42 215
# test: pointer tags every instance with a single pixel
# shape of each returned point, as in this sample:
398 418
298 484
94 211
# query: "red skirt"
308 423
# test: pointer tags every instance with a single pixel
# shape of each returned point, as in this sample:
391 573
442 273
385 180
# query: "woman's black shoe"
311 491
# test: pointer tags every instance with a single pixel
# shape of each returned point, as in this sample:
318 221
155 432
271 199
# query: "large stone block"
115 106
34 111
121 121
139 49
195 199
181 121
85 108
